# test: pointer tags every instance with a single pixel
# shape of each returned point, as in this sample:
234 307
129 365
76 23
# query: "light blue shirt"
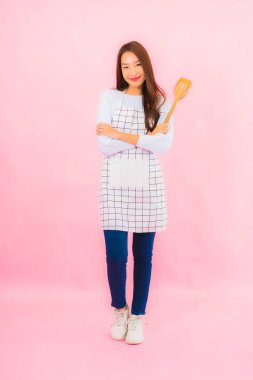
157 143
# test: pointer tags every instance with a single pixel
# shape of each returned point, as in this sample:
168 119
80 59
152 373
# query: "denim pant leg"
116 258
142 253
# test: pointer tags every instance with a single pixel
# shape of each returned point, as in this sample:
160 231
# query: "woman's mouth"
135 79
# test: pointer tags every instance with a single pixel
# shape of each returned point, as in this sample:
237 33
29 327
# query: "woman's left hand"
107 129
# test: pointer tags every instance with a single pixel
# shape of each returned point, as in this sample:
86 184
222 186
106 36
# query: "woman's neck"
133 90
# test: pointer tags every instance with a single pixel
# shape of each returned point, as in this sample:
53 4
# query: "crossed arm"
157 143
109 145
117 141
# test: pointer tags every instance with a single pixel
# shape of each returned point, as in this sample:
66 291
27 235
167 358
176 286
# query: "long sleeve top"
157 143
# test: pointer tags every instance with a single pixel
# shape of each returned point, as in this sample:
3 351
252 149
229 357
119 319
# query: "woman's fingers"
161 128
99 128
103 128
165 127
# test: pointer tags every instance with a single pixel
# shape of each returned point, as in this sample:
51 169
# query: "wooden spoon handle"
180 91
166 121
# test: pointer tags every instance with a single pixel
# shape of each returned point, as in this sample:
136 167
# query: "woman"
130 132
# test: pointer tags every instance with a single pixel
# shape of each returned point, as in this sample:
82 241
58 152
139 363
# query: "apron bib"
132 191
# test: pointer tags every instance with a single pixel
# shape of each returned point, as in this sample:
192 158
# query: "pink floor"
64 334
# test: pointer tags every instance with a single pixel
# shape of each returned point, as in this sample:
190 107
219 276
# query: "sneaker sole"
121 338
133 342
118 338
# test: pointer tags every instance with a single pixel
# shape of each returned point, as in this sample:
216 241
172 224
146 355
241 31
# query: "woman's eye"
126 67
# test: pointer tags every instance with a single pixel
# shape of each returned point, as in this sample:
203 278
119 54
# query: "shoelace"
134 321
120 317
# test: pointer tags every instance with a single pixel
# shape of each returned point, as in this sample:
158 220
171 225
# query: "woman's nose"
133 71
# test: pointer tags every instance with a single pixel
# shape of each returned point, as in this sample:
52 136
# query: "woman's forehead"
128 58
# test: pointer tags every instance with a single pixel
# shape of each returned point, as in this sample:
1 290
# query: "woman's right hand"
160 128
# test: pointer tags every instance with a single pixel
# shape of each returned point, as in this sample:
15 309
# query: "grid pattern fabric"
123 207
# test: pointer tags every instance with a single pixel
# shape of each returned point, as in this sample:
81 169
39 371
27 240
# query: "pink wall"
56 58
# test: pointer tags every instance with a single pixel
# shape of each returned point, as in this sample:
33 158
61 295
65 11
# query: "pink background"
56 58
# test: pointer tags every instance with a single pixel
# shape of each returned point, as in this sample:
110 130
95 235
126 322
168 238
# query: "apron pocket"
129 172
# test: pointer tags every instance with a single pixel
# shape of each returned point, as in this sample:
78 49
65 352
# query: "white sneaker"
135 330
119 326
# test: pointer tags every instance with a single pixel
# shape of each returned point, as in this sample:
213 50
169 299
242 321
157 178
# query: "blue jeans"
116 259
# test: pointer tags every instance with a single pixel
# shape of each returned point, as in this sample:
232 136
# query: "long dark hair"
150 88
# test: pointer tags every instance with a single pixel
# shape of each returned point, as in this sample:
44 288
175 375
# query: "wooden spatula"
180 90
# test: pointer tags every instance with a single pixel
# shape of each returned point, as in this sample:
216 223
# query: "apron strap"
122 97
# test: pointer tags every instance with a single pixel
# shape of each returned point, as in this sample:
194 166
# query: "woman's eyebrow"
133 62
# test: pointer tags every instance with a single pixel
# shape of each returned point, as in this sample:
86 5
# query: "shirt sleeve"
108 145
160 142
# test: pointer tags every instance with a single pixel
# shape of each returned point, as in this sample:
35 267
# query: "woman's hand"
160 128
107 129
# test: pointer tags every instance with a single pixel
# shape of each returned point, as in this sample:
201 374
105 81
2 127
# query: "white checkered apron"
132 192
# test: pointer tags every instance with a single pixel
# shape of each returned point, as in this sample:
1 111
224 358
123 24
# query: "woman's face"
131 68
